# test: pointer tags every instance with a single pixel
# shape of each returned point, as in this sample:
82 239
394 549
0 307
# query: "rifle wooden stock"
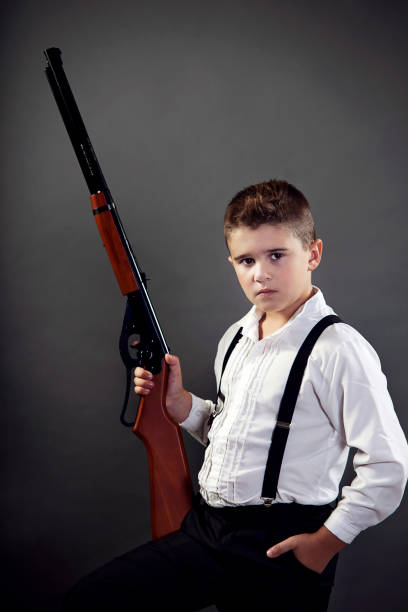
170 482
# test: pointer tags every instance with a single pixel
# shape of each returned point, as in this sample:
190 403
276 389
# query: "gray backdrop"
186 103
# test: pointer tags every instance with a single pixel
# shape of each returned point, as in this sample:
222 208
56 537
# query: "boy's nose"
261 274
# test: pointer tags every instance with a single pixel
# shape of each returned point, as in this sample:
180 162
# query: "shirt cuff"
338 524
197 421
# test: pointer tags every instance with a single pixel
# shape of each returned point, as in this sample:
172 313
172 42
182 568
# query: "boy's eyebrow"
245 255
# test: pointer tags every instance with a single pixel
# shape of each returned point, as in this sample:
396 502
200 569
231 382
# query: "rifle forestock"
113 244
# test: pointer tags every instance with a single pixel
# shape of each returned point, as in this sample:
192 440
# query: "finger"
142 391
143 388
282 547
143 384
142 373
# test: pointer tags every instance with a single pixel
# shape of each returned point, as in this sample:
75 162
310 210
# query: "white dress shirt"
343 402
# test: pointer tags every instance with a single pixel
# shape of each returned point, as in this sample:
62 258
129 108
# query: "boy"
247 543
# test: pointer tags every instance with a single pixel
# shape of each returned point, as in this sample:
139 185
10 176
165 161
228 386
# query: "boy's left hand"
313 550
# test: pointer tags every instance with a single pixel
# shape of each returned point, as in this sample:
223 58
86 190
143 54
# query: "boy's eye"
276 256
247 261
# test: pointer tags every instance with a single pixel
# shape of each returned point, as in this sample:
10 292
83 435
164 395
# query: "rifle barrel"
92 171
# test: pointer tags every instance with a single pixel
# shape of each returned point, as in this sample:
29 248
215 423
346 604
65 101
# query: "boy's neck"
272 321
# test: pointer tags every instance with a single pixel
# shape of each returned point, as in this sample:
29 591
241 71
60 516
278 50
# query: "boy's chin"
267 302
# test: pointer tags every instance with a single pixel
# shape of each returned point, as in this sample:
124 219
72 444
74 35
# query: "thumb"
172 360
282 547
175 378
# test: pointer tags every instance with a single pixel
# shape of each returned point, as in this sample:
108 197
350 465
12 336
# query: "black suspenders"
287 406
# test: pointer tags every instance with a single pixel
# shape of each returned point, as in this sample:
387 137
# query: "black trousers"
217 557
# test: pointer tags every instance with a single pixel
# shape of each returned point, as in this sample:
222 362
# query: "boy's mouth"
266 291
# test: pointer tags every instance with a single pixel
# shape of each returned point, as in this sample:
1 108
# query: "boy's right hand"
178 400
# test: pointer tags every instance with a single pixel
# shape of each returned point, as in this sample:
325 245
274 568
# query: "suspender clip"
268 501
217 410
282 424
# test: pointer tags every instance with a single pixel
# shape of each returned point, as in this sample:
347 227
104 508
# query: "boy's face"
273 267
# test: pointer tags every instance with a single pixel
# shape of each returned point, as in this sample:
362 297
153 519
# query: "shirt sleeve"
197 421
361 410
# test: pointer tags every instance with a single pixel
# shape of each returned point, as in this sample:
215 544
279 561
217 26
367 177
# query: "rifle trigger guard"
126 400
149 354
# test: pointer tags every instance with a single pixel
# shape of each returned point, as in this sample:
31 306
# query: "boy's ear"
230 259
315 254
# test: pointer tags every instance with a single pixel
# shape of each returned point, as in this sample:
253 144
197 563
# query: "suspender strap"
287 408
227 355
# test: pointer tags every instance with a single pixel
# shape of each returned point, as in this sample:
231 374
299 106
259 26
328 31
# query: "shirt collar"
313 307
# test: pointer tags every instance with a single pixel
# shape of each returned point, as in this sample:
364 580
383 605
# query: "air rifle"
170 482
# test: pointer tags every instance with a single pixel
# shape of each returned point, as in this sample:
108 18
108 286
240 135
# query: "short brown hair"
271 202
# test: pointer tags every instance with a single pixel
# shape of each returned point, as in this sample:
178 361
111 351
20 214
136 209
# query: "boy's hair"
271 202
